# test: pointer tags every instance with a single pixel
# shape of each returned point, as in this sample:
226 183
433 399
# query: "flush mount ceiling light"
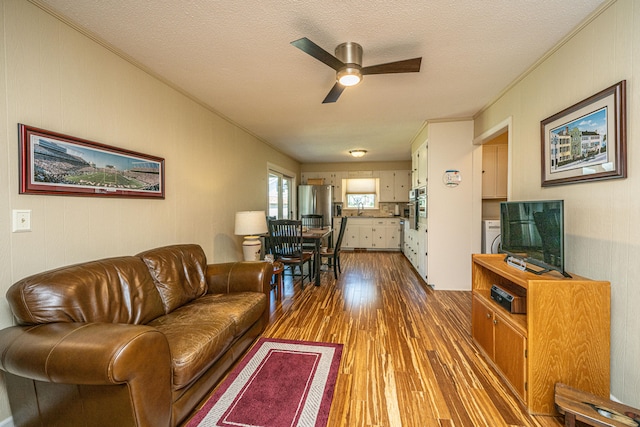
358 153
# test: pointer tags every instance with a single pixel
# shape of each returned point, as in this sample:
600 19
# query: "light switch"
21 220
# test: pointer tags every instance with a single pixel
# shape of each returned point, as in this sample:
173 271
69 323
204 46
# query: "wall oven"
421 202
413 210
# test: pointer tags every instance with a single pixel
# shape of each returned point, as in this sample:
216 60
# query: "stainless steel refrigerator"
316 199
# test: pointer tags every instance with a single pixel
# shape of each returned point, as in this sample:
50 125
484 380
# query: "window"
362 193
280 197
362 201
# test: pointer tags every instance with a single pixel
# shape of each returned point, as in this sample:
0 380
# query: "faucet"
360 206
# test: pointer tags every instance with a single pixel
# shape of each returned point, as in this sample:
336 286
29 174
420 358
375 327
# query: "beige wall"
355 166
451 234
53 77
602 218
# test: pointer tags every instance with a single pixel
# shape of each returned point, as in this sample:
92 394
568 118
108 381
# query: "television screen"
533 231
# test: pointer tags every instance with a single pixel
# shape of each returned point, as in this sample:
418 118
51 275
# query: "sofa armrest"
243 276
96 354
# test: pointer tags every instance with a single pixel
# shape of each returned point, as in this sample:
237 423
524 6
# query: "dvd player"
511 302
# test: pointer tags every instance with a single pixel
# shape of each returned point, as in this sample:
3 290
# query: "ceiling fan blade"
406 66
334 93
309 47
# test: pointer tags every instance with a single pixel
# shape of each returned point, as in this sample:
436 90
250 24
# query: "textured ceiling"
236 57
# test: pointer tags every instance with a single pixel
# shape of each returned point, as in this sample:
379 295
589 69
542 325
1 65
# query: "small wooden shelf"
563 337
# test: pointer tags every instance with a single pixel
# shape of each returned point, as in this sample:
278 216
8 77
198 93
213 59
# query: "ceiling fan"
348 65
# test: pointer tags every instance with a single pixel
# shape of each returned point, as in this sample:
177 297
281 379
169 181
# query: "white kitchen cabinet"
494 171
366 237
364 233
330 178
337 221
372 233
394 185
414 169
351 237
411 245
325 176
422 164
387 186
336 180
422 263
360 174
402 185
393 234
386 233
419 165
415 249
304 177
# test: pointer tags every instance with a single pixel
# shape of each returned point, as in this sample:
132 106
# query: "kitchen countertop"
371 216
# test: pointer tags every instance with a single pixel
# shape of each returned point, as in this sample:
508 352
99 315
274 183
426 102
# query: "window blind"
361 185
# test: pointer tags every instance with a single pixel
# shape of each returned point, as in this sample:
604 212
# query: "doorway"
495 173
280 204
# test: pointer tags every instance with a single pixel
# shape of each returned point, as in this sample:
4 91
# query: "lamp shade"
250 223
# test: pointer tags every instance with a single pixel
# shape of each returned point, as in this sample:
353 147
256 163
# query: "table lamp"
249 224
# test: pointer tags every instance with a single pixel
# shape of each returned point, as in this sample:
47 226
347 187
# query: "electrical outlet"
21 220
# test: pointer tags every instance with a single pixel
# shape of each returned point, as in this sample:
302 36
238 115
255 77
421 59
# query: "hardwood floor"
408 357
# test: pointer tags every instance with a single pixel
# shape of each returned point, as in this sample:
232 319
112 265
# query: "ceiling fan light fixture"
347 62
358 153
349 76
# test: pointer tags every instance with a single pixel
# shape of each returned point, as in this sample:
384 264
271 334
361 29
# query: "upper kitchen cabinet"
394 185
419 166
336 181
494 171
328 178
402 183
315 177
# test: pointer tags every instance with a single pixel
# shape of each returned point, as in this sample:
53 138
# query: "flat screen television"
533 232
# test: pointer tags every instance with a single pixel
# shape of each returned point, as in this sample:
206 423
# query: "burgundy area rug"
279 383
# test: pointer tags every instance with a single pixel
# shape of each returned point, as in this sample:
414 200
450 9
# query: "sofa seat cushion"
199 332
244 308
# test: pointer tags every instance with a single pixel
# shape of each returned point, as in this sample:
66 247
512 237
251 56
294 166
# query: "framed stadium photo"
52 163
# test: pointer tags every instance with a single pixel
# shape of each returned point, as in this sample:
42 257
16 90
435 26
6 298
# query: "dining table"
316 235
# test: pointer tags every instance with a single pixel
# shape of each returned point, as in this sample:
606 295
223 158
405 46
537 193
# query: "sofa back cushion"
178 272
114 290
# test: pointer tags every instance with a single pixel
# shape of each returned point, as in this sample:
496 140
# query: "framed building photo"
586 141
52 163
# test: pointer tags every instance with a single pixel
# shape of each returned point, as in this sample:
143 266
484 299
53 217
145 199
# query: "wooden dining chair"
333 254
312 220
267 239
285 237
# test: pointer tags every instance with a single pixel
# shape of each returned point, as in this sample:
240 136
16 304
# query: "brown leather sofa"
129 341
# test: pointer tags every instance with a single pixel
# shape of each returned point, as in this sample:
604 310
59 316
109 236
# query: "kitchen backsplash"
385 209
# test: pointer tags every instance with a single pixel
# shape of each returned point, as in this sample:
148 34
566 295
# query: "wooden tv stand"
563 337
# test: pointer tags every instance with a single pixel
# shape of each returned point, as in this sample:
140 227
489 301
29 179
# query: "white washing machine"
490 236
